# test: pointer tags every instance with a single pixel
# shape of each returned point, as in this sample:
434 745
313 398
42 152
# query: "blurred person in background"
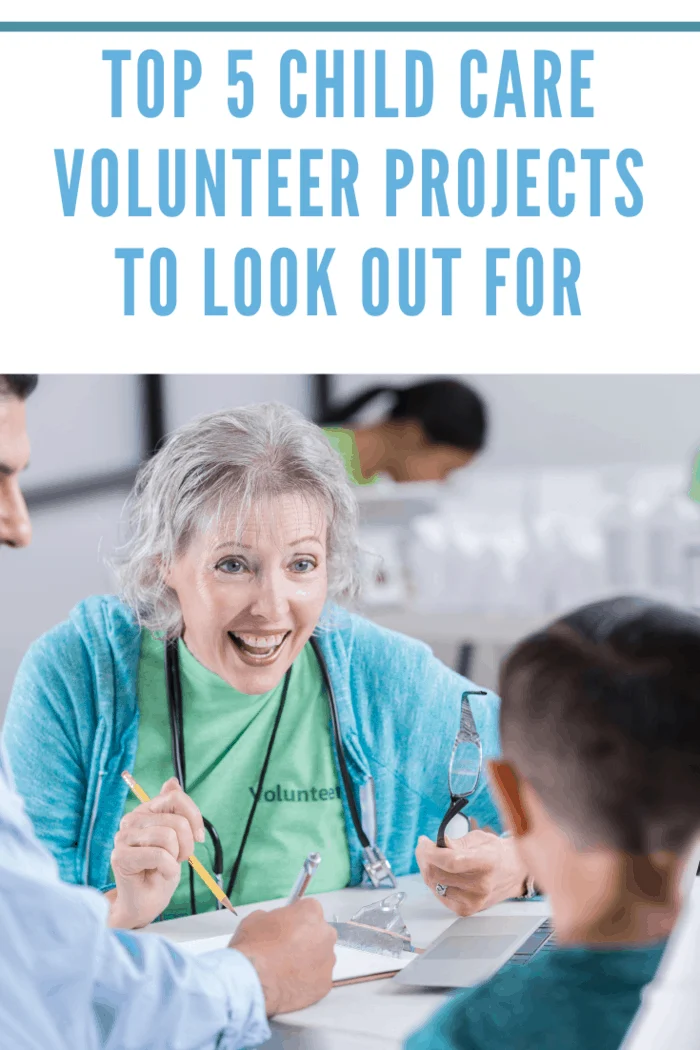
432 429
222 663
67 980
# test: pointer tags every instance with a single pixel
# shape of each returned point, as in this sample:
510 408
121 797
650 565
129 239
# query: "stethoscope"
376 865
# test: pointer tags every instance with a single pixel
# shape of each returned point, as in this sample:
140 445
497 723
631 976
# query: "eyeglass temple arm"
457 805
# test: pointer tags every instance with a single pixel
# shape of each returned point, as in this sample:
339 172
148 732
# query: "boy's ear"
507 787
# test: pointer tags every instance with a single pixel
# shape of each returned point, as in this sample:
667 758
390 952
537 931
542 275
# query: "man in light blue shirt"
67 981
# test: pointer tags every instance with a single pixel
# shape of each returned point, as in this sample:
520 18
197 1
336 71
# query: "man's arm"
74 982
208 1000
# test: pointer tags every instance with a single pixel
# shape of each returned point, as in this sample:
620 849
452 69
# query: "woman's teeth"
258 645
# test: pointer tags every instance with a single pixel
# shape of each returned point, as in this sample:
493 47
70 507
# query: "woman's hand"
151 844
479 869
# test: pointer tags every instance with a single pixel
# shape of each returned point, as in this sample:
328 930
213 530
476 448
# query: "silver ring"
440 889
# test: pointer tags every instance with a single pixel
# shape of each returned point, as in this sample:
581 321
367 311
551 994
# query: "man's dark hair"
17 386
601 714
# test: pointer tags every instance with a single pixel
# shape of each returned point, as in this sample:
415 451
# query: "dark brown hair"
449 411
601 714
17 386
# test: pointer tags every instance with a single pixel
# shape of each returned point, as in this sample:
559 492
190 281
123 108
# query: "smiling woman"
243 631
228 663
239 564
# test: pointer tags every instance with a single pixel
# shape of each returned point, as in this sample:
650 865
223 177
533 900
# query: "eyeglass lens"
464 769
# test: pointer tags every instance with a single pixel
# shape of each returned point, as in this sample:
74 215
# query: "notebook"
351 964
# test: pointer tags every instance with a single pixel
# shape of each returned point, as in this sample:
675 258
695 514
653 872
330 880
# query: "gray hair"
230 460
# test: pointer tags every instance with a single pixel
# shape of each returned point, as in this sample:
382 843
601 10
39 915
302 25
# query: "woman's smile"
250 602
255 649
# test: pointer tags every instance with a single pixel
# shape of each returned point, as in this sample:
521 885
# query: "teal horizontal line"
350 27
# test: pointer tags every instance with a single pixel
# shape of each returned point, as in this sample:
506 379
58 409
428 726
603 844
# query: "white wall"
188 396
83 425
561 420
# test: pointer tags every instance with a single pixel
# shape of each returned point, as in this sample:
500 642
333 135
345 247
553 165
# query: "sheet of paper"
349 962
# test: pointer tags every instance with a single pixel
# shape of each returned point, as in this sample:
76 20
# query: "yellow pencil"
201 871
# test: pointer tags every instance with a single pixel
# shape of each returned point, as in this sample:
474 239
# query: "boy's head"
15 529
600 727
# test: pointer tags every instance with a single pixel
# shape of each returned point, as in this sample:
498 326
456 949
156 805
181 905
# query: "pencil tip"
227 904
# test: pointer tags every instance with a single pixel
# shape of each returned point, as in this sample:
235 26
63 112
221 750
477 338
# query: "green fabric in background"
695 480
226 735
343 441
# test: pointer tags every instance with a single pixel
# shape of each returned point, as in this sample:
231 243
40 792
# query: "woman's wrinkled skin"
252 596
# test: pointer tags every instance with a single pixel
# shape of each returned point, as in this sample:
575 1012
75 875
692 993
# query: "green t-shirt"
226 738
695 480
573 998
343 441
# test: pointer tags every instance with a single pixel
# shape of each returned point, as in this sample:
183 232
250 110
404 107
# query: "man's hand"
479 870
292 950
151 844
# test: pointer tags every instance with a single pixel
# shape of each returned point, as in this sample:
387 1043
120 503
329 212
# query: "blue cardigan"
73 718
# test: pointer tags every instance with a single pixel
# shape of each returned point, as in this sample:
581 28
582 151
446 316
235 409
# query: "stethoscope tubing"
173 686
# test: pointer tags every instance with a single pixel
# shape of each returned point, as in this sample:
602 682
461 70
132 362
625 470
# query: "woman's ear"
508 795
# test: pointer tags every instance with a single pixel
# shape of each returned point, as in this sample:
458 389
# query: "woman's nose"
270 599
15 526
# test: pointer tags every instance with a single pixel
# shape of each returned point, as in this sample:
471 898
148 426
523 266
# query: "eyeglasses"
464 773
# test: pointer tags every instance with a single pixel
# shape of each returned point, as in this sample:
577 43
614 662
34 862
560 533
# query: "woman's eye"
232 566
303 565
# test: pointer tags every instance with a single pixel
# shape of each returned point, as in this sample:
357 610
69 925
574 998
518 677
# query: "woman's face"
250 604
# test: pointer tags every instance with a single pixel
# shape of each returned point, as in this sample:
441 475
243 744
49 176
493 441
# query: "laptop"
474 949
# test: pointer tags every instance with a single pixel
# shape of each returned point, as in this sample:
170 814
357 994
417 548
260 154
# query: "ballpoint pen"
308 870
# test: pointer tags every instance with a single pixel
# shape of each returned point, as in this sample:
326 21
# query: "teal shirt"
226 736
563 999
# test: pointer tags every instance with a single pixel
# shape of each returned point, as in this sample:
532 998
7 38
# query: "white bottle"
624 547
673 531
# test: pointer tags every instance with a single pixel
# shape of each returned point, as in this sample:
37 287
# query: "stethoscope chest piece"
377 867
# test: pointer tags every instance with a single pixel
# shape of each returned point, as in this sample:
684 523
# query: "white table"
362 1016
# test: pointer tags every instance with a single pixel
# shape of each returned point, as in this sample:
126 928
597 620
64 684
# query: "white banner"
395 201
